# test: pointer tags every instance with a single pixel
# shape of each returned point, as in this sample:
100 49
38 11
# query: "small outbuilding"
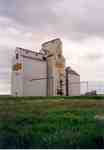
72 82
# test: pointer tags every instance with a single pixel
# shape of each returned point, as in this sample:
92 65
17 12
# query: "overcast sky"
79 24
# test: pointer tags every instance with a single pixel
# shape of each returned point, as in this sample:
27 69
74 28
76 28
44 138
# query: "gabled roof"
27 50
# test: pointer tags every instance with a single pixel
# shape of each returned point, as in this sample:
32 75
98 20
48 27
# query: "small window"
17 56
26 52
61 82
59 55
44 58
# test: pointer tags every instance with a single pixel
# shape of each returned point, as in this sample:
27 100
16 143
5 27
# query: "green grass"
53 97
51 122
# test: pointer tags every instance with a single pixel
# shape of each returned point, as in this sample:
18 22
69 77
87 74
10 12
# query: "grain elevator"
40 73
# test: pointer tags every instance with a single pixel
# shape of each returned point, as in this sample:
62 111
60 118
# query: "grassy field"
52 122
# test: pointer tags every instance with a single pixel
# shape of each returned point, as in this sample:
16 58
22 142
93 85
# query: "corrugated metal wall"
35 77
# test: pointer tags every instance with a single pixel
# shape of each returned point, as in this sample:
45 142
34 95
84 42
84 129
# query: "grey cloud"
94 56
5 63
30 13
5 76
71 19
4 87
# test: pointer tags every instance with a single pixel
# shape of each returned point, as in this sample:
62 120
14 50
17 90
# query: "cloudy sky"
79 24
